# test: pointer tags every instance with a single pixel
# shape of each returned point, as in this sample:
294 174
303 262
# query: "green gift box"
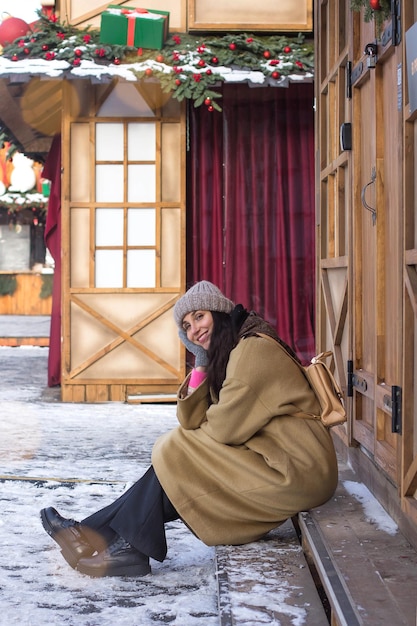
139 28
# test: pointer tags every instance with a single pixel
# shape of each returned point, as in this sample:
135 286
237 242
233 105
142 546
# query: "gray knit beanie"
203 296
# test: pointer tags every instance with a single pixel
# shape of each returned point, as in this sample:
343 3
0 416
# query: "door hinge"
349 388
392 33
353 74
394 405
349 80
354 380
396 22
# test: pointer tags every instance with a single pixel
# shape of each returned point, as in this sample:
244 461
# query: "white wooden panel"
80 185
80 247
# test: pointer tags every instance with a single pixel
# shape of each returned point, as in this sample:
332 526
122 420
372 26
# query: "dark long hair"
224 338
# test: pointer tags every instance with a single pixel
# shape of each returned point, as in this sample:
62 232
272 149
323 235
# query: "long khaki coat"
243 466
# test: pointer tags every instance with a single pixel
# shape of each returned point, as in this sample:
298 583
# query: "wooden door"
376 245
123 225
409 470
359 238
333 174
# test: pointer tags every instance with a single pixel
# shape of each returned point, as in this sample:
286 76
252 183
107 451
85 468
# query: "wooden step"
267 582
367 568
15 342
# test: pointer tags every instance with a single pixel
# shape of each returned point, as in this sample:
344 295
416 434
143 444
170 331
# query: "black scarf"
250 324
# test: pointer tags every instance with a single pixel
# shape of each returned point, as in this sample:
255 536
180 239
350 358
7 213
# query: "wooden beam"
12 119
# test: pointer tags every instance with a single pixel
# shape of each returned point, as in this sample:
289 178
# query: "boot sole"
123 570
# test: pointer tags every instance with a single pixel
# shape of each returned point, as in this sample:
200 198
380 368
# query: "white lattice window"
125 181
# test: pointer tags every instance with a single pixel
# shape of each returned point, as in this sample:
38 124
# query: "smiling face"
199 327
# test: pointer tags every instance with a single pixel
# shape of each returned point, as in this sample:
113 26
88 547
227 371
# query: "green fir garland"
275 56
23 208
47 286
52 40
185 66
8 284
369 14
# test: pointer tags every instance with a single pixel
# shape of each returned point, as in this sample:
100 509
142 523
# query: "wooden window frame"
240 17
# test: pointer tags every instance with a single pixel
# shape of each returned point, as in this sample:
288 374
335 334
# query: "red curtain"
205 243
251 219
52 171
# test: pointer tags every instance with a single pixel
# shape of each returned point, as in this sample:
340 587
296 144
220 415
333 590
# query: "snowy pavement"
25 325
78 458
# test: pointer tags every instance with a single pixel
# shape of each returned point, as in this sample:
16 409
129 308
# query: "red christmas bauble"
375 5
11 28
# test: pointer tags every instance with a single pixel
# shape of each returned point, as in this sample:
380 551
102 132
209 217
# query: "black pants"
138 516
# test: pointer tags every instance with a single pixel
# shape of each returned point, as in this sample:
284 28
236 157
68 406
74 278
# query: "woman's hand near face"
201 359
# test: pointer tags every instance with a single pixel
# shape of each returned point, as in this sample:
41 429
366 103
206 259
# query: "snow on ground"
78 458
374 512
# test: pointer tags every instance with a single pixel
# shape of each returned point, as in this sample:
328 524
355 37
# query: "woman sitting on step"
239 463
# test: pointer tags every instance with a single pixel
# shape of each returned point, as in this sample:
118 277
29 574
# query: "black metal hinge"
349 80
352 75
349 389
353 380
396 21
394 404
392 32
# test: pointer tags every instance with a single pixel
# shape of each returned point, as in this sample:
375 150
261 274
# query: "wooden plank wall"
26 299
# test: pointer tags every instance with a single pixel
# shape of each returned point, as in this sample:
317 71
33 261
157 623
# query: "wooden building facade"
366 151
119 283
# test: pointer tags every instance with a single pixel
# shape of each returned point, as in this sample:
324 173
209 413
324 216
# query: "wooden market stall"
117 214
25 276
